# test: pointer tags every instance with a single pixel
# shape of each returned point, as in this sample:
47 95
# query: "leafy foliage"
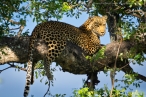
105 92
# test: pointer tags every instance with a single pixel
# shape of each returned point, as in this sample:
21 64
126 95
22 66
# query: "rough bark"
72 59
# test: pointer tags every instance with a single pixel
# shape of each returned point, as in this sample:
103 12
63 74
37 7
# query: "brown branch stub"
20 30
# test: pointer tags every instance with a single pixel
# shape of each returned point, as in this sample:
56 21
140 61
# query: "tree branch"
72 59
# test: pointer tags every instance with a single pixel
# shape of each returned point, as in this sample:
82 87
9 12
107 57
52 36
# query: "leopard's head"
98 25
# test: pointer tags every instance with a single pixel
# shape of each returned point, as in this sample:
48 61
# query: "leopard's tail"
30 63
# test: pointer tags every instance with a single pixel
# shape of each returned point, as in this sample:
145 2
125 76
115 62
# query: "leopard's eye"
96 25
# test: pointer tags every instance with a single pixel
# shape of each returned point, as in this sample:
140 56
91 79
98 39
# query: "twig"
47 89
14 28
112 73
12 21
73 6
5 69
13 66
88 5
124 66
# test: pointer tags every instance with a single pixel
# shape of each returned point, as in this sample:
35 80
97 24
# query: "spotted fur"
56 34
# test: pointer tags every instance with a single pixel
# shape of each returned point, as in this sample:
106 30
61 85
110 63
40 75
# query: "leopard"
56 34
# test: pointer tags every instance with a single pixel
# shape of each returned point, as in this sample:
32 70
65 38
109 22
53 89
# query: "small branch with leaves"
17 23
13 66
136 13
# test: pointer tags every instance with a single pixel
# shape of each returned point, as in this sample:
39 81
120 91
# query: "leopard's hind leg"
54 50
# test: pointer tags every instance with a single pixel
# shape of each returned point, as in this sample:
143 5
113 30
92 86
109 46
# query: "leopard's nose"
102 33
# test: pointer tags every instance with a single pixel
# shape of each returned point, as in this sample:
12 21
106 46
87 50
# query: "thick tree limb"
72 59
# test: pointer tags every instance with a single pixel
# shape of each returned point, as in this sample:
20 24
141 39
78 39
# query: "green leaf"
46 82
65 7
99 54
36 74
88 57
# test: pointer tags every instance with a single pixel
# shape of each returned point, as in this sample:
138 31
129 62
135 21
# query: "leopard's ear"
91 18
105 17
